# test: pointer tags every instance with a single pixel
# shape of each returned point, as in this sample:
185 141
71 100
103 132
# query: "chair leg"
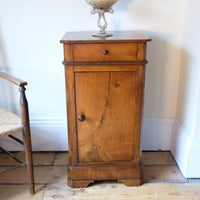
27 138
29 159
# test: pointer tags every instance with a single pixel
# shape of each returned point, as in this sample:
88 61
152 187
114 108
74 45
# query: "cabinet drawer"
105 52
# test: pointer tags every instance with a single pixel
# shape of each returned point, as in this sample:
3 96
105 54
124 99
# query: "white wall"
29 48
186 136
163 22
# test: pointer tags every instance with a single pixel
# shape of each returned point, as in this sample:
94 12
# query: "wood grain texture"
104 86
118 36
71 115
132 182
26 133
158 158
103 63
38 158
104 191
162 181
106 68
115 52
78 184
107 134
19 192
105 172
139 104
141 51
116 191
13 79
68 53
163 174
43 175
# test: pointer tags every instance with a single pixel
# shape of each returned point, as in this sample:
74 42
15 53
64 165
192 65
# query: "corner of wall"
193 161
185 151
180 144
156 133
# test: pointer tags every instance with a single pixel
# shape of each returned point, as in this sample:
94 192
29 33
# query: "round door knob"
81 118
105 52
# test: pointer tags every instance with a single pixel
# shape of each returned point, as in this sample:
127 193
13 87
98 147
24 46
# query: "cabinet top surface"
118 36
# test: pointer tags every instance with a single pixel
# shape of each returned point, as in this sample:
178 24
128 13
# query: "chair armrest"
12 79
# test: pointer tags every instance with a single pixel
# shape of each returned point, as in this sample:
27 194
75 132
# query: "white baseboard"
194 161
186 151
156 133
180 145
46 134
159 133
51 135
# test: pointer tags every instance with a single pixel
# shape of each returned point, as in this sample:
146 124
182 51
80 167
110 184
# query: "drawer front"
105 52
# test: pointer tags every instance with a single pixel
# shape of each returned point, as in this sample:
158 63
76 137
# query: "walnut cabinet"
104 93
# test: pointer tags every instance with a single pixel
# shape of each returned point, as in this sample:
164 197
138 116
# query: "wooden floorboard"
117 191
158 158
38 159
43 175
163 181
163 174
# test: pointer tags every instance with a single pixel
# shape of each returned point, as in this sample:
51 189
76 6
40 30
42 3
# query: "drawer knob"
81 118
105 52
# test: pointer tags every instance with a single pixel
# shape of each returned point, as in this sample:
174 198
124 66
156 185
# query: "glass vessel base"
102 34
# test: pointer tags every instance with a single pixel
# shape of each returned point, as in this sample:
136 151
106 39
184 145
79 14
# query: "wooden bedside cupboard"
104 80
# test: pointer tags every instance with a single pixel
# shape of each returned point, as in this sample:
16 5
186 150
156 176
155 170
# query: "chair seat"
9 123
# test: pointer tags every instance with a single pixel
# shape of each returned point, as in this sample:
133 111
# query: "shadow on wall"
162 76
7 94
7 90
161 87
156 75
120 7
3 57
184 126
184 89
154 99
123 5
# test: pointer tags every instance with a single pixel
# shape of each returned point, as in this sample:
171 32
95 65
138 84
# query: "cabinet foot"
131 182
78 184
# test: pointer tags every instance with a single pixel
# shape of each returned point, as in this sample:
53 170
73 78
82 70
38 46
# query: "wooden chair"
10 123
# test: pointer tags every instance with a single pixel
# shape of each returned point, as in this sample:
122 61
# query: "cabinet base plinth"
78 184
132 182
82 176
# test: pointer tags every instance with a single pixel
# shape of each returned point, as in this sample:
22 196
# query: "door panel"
108 101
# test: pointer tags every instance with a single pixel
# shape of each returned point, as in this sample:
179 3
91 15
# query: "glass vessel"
101 7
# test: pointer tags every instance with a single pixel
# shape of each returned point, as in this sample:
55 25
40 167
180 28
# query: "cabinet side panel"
71 115
108 101
141 54
139 103
68 53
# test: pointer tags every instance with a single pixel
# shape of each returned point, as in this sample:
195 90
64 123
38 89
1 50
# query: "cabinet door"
108 100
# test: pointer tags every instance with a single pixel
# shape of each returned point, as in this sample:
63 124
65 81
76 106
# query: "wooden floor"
163 181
